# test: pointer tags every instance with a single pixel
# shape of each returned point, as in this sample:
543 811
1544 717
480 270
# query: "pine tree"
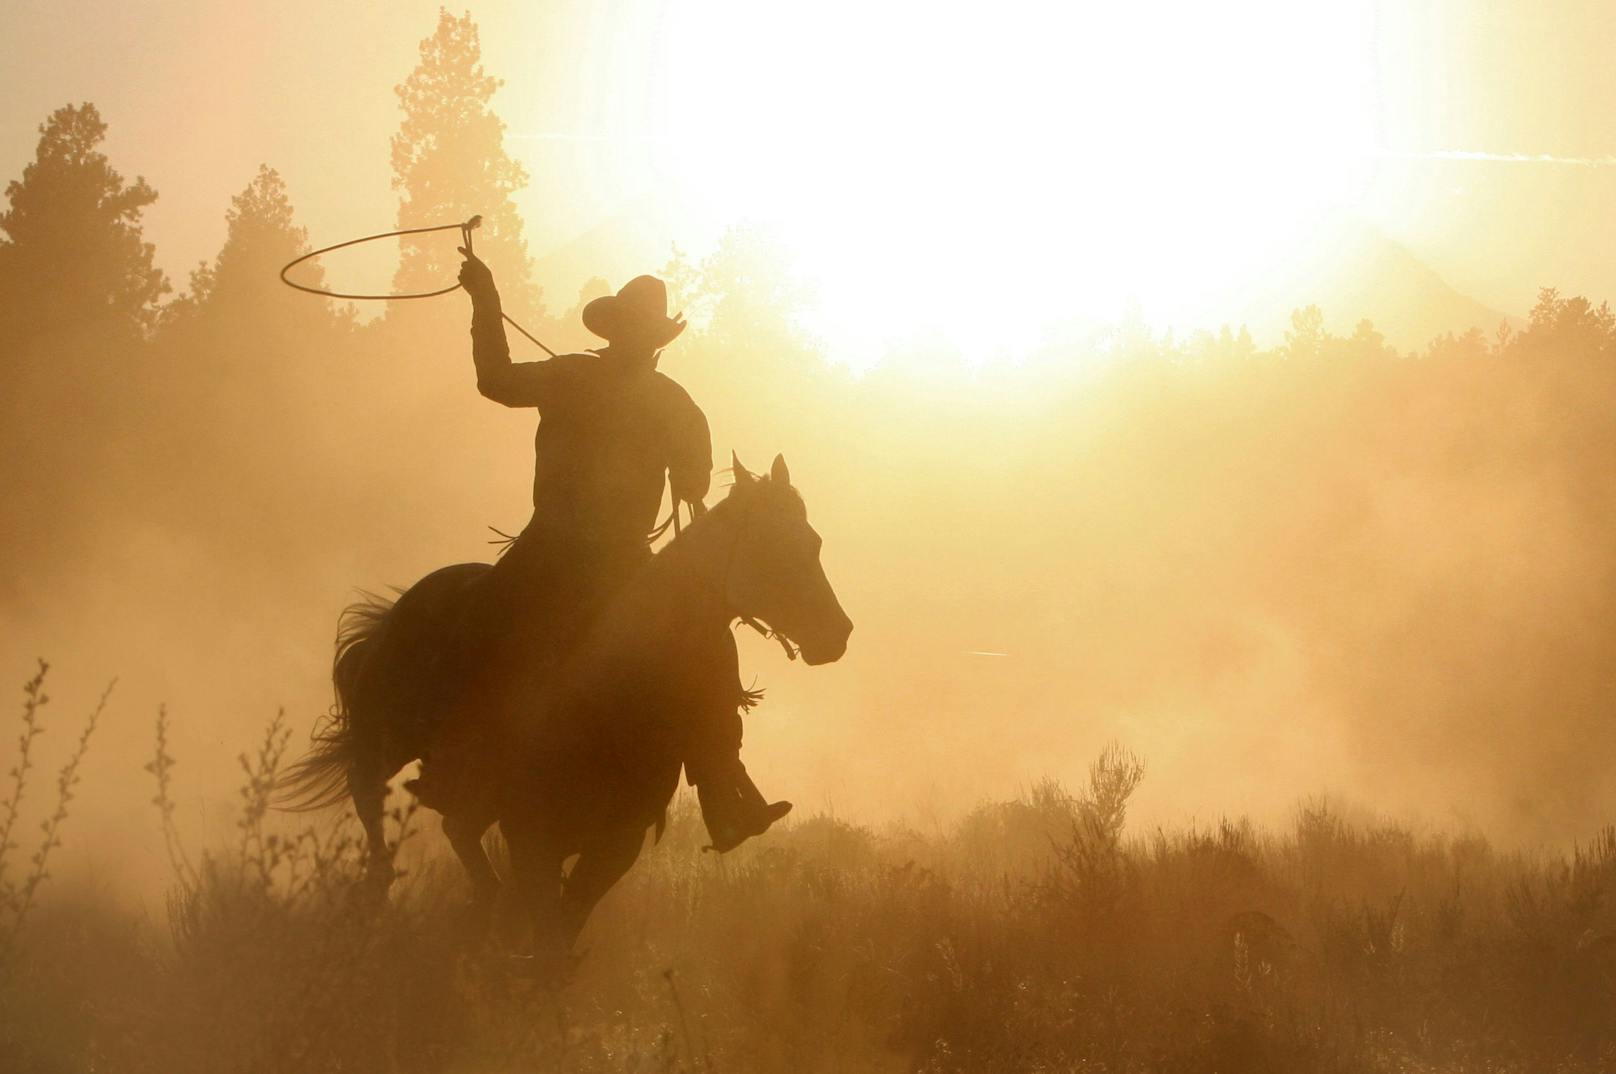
242 351
73 255
449 163
261 236
78 293
239 341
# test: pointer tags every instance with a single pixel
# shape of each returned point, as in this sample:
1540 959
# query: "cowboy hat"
639 310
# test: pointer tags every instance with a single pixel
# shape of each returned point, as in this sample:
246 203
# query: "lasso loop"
465 230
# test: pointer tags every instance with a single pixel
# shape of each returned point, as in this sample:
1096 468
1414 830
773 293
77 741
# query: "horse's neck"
678 598
688 576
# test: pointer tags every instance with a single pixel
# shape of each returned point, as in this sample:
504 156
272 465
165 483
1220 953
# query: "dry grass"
1033 936
18 894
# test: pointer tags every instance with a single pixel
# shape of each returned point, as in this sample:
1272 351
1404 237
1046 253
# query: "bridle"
742 528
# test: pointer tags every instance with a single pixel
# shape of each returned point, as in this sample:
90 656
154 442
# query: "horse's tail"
320 777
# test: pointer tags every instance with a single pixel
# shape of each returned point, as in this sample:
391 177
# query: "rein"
785 643
697 509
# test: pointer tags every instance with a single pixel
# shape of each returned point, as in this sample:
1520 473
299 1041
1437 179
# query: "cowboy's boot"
760 813
734 810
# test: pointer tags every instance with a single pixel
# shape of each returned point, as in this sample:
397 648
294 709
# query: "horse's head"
773 574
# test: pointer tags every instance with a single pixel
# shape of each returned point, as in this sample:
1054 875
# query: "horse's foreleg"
465 834
600 866
536 869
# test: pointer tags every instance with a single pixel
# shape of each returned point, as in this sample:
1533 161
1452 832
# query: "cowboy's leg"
713 741
731 804
732 807
751 797
720 805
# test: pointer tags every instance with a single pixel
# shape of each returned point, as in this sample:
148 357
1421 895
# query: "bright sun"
932 166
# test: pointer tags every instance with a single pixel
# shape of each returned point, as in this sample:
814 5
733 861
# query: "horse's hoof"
369 893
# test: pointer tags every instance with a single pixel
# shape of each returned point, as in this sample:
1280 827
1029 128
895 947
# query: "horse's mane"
629 610
759 485
359 621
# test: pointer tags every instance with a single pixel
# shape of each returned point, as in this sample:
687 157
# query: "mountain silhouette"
1352 270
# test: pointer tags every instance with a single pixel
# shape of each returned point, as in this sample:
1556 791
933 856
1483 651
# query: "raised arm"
516 384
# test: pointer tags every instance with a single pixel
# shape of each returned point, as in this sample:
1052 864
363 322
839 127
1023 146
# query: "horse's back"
445 582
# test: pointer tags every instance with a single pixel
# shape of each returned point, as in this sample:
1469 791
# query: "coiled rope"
465 230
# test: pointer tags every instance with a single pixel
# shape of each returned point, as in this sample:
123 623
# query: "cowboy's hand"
476 278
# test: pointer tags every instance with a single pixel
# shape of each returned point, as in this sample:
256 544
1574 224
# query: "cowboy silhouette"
612 431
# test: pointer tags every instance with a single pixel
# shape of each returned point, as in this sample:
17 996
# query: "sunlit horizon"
1164 161
993 179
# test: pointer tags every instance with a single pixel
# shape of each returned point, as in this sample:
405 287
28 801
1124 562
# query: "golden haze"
932 262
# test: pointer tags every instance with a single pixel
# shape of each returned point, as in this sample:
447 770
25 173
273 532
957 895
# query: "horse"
596 764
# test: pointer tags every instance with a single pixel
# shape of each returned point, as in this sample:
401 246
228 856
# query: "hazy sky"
931 155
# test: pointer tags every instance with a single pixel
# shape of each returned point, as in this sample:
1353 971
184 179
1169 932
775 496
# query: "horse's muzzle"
829 649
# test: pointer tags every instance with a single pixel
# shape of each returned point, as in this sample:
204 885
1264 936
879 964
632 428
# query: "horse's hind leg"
367 784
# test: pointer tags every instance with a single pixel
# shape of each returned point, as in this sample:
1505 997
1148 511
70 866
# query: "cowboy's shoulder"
578 368
580 361
671 392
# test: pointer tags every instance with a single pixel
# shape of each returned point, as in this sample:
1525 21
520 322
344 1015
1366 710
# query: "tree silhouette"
78 294
73 253
239 349
449 162
1470 346
242 284
1306 336
749 341
745 291
1567 326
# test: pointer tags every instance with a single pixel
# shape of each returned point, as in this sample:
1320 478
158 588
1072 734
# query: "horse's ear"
778 472
743 477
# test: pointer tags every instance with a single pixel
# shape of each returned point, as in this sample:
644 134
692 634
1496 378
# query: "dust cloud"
1273 567
1322 567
